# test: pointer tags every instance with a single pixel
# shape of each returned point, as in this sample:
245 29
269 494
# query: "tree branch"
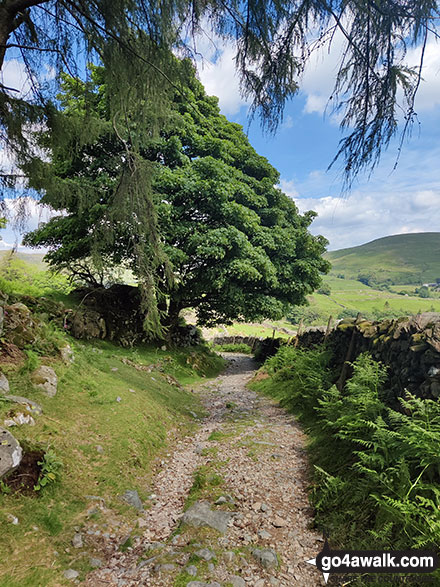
14 6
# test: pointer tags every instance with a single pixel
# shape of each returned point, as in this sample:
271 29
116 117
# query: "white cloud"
218 74
406 200
23 215
428 95
14 75
361 217
289 188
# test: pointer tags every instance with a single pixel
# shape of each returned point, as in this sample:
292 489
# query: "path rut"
255 451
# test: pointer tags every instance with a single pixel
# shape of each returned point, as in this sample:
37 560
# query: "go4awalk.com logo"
374 561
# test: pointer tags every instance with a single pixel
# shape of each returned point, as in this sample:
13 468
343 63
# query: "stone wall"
251 341
409 347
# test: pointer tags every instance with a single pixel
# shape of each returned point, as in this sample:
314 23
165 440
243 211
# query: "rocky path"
245 472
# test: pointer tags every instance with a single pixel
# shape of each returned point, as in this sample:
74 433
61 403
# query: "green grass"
263 330
404 258
347 294
22 274
85 414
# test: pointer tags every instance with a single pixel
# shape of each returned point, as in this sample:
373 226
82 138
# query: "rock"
77 541
71 574
200 515
201 584
205 554
166 568
12 519
29 405
19 327
229 556
237 581
221 500
266 557
264 507
114 369
95 563
10 453
67 354
20 419
191 570
99 449
132 498
46 379
264 535
4 383
279 522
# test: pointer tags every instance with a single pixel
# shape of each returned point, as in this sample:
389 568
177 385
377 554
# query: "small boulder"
67 354
4 383
20 419
46 379
237 581
266 557
71 574
191 570
95 563
132 498
200 515
10 452
205 554
29 405
279 522
77 541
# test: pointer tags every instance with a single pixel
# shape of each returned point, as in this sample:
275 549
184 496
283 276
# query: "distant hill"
34 259
400 259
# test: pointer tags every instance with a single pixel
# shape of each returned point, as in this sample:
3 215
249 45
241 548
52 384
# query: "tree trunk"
173 314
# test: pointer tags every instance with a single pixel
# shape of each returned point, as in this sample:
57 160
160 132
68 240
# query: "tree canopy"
273 41
236 246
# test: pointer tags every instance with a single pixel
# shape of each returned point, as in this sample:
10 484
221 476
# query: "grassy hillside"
348 297
34 259
116 410
403 259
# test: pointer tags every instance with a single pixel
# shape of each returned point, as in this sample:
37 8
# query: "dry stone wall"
409 347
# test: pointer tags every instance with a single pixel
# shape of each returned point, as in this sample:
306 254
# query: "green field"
350 296
403 259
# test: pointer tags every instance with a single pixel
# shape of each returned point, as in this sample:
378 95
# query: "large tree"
273 40
236 245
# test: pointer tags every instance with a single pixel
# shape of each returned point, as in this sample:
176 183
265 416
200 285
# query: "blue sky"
388 202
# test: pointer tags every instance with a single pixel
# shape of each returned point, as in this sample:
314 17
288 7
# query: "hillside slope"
400 259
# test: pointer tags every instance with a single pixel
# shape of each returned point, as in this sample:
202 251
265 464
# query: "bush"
348 313
305 372
308 315
324 290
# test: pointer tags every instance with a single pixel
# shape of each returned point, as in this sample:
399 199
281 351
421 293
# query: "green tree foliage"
273 41
423 291
237 246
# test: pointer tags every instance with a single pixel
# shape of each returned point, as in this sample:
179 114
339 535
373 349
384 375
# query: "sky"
389 201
